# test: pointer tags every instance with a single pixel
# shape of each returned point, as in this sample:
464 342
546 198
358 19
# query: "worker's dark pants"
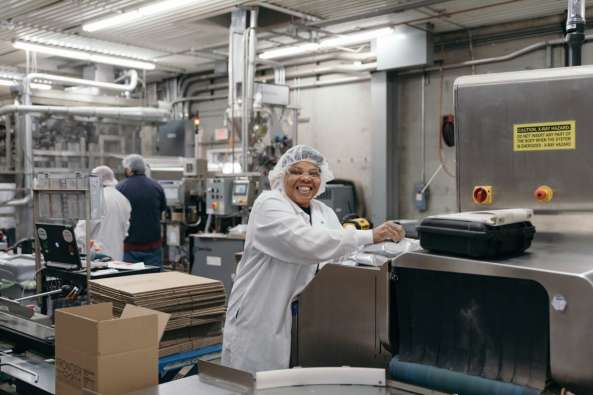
149 257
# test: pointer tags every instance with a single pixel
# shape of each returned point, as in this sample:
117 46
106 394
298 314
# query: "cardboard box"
107 355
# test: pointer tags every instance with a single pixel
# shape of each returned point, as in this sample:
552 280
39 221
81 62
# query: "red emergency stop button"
213 205
482 194
543 193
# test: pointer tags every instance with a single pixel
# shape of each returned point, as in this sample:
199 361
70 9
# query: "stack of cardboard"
196 305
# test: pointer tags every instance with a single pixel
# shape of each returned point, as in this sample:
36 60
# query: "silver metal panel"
273 94
563 265
343 318
26 326
214 257
488 106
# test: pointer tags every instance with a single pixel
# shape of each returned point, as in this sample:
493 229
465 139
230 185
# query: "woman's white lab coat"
282 251
110 231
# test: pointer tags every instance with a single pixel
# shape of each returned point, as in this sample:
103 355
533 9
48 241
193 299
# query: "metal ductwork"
130 86
147 114
575 31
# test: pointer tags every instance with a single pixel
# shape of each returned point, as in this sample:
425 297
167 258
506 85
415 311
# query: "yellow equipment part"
357 223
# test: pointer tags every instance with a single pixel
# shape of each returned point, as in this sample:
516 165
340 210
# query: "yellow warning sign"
544 136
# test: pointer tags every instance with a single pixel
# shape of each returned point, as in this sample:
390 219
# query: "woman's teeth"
303 189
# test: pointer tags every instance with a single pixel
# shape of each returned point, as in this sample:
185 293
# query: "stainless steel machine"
523 140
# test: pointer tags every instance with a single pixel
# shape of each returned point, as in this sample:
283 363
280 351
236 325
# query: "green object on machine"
452 382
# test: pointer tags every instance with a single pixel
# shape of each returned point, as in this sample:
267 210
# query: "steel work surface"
26 327
566 254
563 265
194 386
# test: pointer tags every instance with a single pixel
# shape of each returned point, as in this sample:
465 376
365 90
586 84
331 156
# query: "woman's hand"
388 231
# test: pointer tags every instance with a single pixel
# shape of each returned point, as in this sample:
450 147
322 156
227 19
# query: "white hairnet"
106 175
296 154
135 163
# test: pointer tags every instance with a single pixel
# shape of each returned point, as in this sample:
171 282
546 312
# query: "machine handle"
12 365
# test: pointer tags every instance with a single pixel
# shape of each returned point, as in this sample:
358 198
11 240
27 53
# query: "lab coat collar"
315 208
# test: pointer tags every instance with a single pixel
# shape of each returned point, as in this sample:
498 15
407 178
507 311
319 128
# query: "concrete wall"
337 121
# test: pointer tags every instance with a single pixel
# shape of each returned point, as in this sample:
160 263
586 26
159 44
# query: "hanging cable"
440 113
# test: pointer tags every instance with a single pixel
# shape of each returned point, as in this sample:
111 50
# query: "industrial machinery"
465 325
341 198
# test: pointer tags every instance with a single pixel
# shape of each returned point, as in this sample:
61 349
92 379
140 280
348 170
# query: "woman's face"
301 182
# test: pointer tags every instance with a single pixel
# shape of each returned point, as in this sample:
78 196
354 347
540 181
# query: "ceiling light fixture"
142 12
340 41
81 55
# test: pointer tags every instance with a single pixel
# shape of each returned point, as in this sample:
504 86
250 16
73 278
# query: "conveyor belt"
489 327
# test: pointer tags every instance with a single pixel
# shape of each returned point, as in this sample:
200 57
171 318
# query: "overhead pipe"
497 59
130 86
17 202
248 86
575 31
186 84
335 69
148 114
316 84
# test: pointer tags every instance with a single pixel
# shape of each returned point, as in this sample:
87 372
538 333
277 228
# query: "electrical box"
176 138
421 194
243 192
406 47
194 167
219 193
174 193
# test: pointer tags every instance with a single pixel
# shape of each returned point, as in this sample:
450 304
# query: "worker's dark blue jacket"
147 199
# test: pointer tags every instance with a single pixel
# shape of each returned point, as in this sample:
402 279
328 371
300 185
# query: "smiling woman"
302 182
289 233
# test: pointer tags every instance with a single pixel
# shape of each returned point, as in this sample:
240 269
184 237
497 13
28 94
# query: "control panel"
243 192
219 192
482 194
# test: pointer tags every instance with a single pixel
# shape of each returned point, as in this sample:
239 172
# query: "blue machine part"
177 361
452 382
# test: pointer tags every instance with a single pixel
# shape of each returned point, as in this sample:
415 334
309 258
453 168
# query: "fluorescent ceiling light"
356 38
33 85
289 51
81 55
139 13
341 41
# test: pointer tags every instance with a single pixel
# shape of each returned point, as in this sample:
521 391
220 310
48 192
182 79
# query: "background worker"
109 232
147 198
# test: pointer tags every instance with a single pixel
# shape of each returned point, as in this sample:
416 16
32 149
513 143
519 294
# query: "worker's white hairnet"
135 163
296 154
106 175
